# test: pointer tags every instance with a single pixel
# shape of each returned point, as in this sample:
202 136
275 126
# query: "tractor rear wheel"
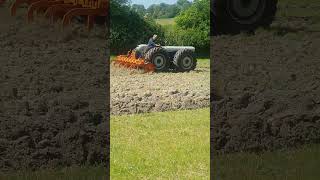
234 16
159 57
184 60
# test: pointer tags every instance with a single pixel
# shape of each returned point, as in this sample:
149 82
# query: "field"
53 97
135 92
268 84
154 134
166 21
150 143
166 145
147 146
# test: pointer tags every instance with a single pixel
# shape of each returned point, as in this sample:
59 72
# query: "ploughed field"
53 94
133 91
266 86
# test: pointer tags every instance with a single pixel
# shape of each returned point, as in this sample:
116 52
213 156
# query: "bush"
192 28
128 28
189 37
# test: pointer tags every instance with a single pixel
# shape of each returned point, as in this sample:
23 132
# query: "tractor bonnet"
168 48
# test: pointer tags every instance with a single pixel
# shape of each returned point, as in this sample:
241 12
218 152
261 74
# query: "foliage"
189 37
196 17
162 10
183 4
128 28
139 9
192 27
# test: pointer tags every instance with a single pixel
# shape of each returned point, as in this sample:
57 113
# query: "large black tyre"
234 16
184 60
159 57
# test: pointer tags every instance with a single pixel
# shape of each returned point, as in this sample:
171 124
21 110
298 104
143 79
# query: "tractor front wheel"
159 57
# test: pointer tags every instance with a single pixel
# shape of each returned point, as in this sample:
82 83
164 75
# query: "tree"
192 27
128 28
196 17
163 10
183 4
140 9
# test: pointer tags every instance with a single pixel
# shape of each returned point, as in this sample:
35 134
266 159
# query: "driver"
151 43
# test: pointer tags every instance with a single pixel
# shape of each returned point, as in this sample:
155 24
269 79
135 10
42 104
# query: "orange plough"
130 61
57 11
64 9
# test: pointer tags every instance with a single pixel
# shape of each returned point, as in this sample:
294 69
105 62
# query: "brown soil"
54 91
266 87
133 91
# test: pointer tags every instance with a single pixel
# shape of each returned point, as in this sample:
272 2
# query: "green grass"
113 57
299 164
167 24
166 21
203 63
166 145
74 173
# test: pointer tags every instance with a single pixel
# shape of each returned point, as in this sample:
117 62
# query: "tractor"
160 58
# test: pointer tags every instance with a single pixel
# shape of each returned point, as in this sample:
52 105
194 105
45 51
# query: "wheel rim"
159 61
246 11
187 62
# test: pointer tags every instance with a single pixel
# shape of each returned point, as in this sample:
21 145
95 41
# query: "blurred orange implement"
130 61
64 9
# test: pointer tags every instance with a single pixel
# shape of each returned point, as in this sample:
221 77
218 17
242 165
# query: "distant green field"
203 63
165 145
164 22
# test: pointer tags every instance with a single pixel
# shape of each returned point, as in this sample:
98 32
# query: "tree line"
129 28
162 10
